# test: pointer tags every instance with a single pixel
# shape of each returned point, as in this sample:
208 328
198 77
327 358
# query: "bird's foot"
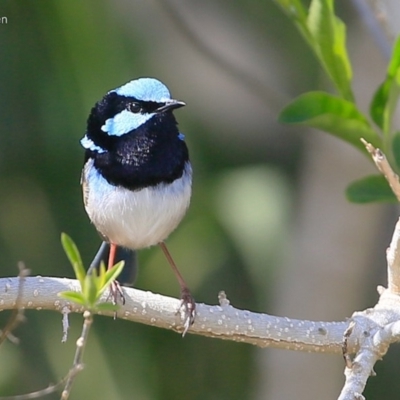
187 309
116 295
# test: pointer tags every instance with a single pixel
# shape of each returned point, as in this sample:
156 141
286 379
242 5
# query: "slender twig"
44 392
17 315
393 252
80 347
384 167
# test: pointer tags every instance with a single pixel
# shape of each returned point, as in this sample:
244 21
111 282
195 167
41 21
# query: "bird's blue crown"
145 89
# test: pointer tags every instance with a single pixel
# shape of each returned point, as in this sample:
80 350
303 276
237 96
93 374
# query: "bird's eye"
134 107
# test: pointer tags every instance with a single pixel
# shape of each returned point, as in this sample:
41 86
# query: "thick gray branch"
379 327
218 321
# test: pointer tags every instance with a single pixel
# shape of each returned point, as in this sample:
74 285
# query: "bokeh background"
269 222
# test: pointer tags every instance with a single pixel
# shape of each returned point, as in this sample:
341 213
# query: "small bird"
137 175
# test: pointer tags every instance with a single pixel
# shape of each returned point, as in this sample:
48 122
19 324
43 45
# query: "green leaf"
75 297
92 285
74 257
385 99
329 34
370 189
331 114
396 149
112 274
91 291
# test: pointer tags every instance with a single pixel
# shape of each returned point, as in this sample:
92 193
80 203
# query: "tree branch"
393 252
218 321
362 340
378 327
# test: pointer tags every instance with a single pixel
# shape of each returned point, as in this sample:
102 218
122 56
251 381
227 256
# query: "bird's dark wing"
129 273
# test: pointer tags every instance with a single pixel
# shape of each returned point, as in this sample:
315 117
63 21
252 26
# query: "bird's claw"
187 310
116 294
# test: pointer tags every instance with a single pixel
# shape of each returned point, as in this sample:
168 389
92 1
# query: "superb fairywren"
137 175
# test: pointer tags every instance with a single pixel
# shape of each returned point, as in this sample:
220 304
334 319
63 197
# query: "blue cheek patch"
181 136
145 89
89 144
124 122
97 184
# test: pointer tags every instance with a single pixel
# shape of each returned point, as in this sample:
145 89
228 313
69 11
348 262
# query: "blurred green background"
235 64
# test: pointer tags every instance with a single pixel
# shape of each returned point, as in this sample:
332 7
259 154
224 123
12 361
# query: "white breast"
136 219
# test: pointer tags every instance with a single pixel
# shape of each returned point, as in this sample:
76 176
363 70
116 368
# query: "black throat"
152 154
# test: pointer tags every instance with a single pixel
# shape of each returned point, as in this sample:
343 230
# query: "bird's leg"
188 305
115 287
111 256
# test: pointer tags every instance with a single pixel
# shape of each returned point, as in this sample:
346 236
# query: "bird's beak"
170 105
